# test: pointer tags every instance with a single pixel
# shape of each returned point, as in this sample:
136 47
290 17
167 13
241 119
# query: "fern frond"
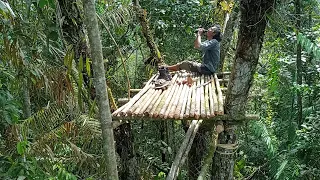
260 130
118 16
280 169
308 46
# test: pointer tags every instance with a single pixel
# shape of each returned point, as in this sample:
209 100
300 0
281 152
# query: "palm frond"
260 130
118 16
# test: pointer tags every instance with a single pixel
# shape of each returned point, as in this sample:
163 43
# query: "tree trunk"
299 65
101 88
128 168
196 154
252 26
228 35
26 99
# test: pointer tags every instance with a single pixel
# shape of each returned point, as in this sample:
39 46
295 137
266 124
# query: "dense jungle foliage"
49 127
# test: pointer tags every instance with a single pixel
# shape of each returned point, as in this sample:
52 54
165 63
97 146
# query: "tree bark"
26 99
252 26
228 35
299 64
101 89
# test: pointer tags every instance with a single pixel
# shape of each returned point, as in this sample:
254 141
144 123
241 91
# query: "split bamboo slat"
168 99
215 97
137 96
197 101
220 98
173 99
152 103
211 97
206 98
182 101
156 110
188 106
144 105
176 107
138 104
193 100
156 105
202 101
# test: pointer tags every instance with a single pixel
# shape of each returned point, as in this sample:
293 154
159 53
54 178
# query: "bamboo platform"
203 100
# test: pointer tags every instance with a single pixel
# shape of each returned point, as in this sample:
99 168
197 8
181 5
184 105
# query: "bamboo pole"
163 99
139 101
153 111
211 97
188 106
183 150
198 100
220 98
173 100
177 105
153 102
206 99
143 105
193 100
168 99
137 96
183 100
215 98
202 101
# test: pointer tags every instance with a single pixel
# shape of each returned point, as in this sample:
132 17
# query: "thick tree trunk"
128 168
196 154
101 89
299 65
228 35
252 26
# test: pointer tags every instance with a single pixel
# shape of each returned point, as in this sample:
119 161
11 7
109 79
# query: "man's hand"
200 31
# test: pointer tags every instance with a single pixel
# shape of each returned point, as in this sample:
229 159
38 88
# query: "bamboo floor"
202 100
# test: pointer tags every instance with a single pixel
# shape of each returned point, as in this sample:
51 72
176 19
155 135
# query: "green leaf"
280 169
21 147
53 35
88 66
42 3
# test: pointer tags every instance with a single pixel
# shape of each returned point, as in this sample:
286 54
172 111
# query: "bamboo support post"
183 150
220 98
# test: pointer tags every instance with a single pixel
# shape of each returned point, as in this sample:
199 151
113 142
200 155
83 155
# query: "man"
210 60
211 53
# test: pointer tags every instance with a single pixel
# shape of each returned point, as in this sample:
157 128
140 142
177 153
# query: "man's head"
214 32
